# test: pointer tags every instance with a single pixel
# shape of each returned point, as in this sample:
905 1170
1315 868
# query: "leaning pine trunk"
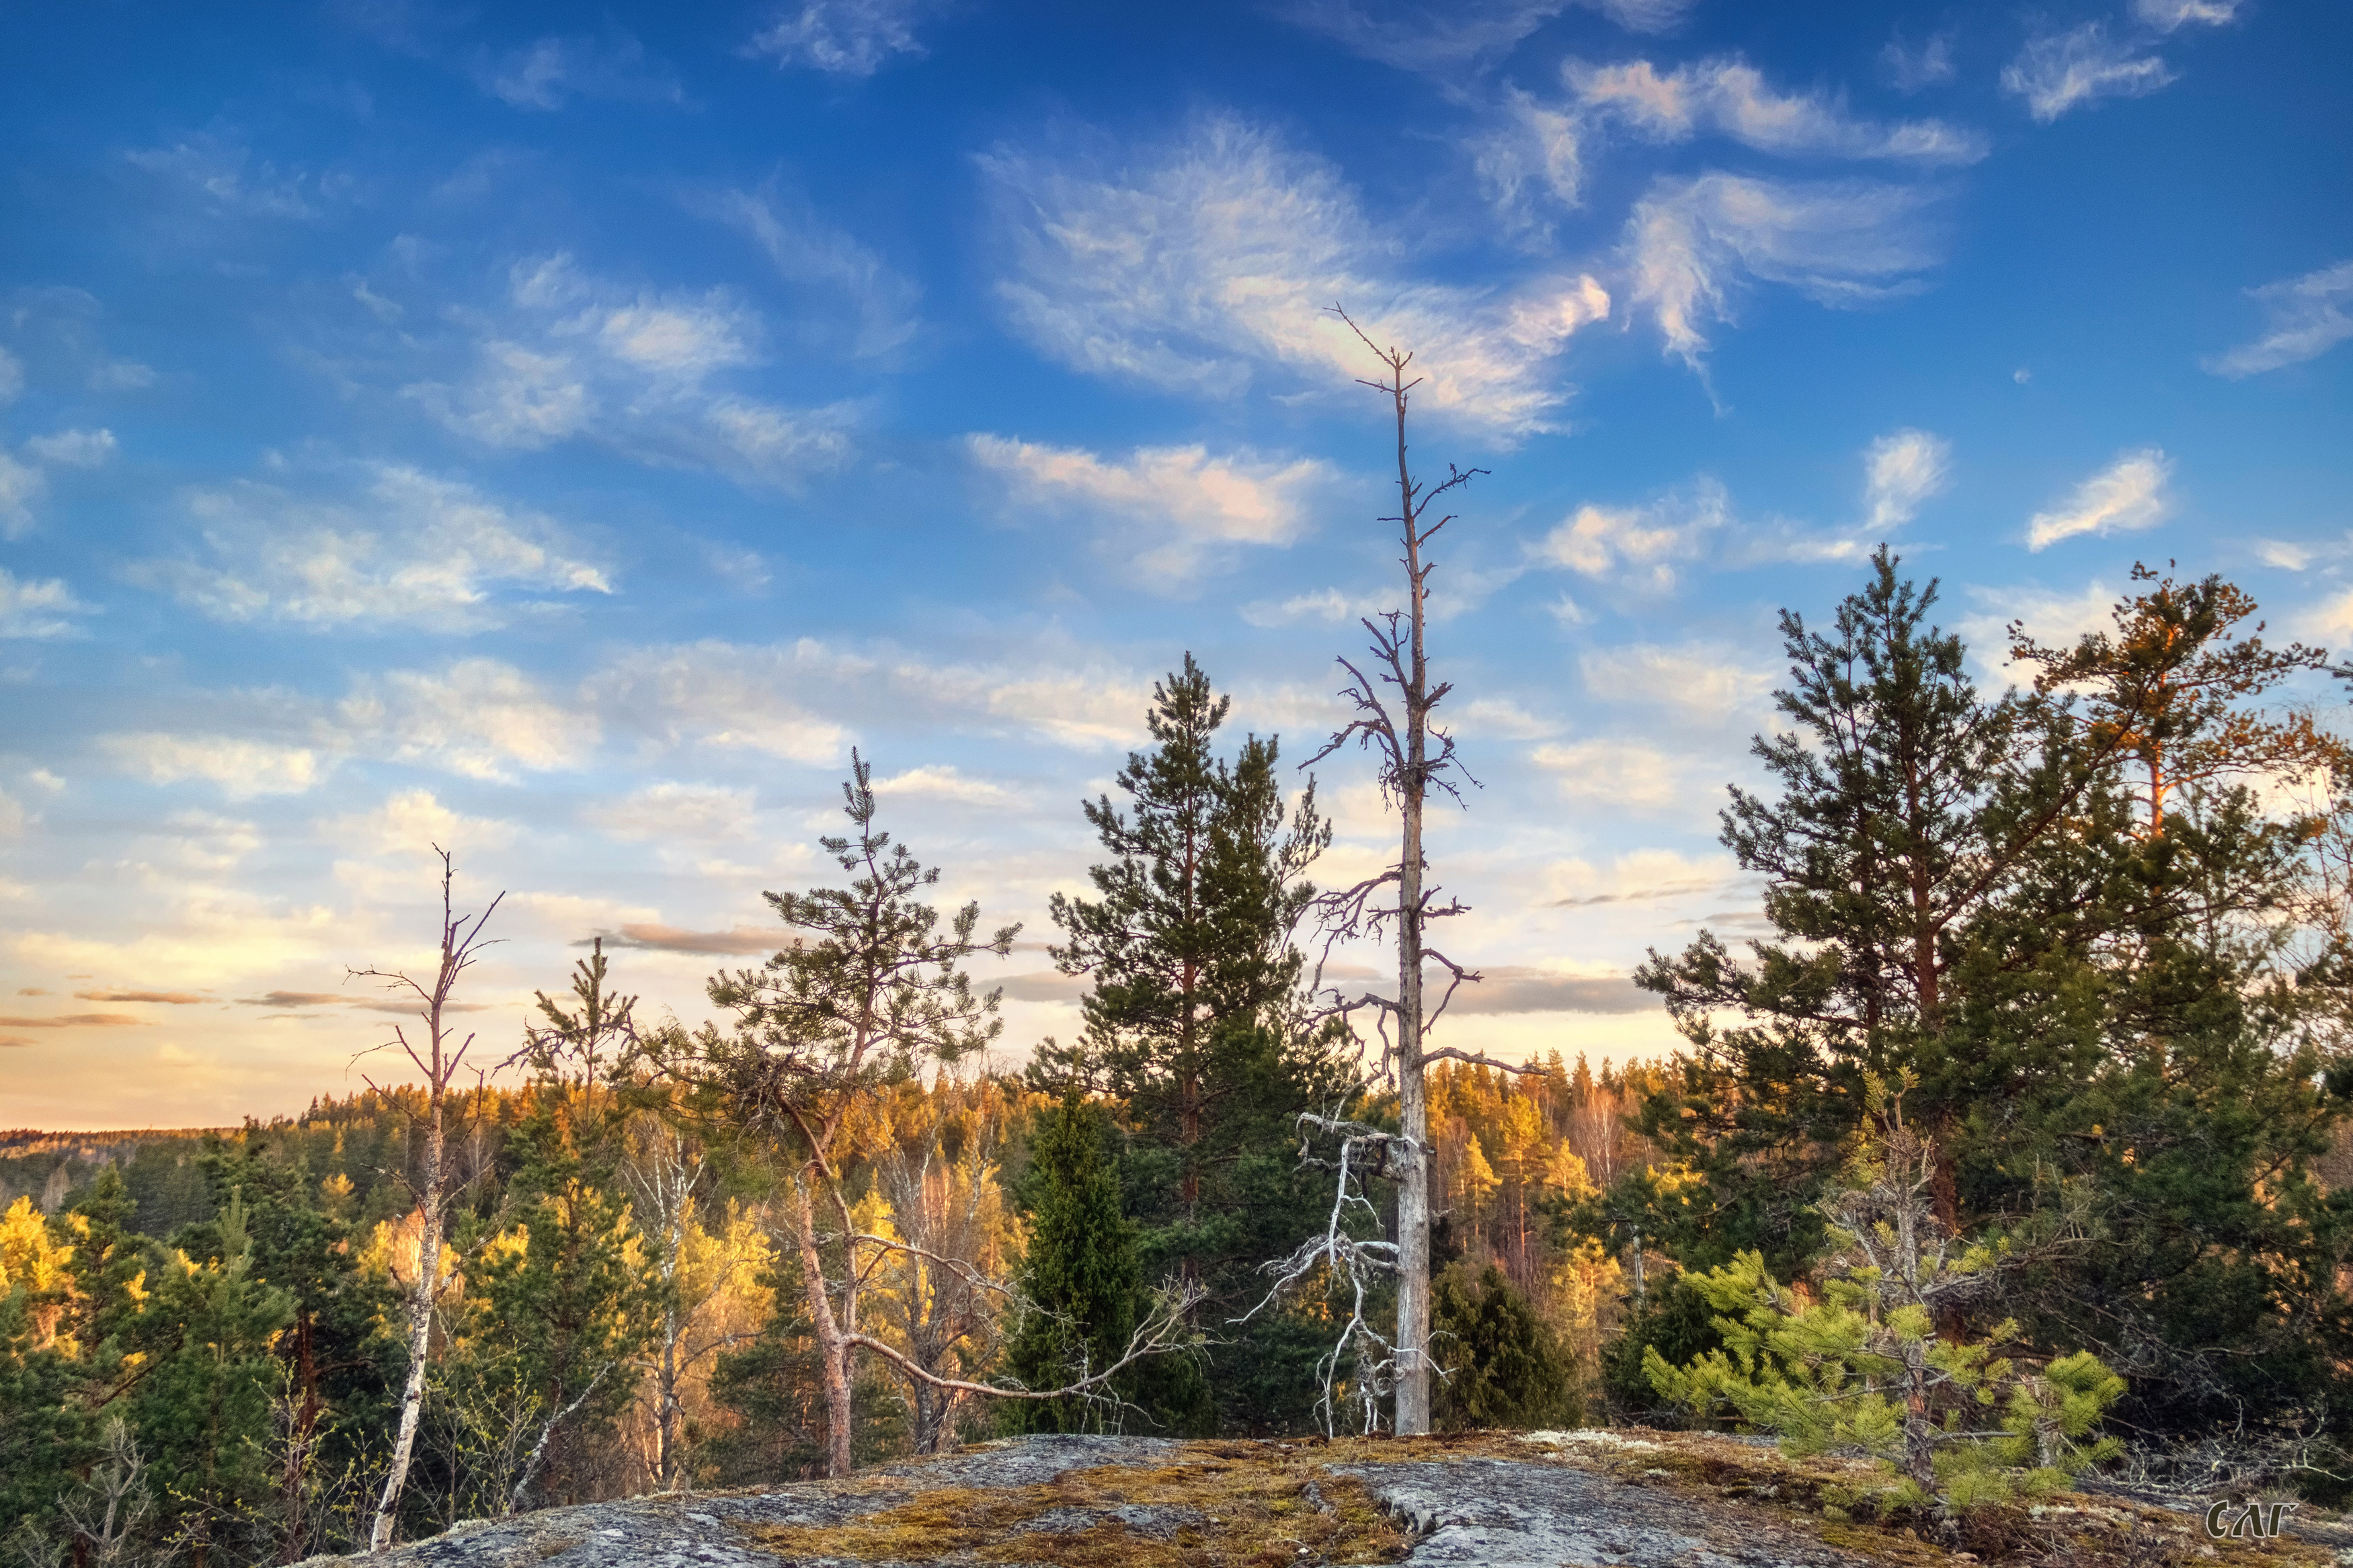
832 1346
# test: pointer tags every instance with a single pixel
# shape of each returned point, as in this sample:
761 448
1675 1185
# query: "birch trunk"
420 1325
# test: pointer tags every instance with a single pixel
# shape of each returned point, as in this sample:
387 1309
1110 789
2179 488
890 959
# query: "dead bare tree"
1416 761
1346 1263
436 1056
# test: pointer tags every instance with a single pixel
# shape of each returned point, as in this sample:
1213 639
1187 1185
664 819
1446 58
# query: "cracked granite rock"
1502 1513
1497 1513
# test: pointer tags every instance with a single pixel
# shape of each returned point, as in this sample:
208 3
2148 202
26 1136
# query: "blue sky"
565 436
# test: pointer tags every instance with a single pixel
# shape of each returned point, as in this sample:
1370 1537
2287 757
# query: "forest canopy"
2056 979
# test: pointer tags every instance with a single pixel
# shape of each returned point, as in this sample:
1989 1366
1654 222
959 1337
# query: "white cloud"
1328 606
37 608
21 485
1190 266
477 717
11 377
13 816
671 812
1902 471
1629 773
942 782
577 356
2051 617
1649 542
842 38
1731 97
242 768
2127 494
2332 618
73 449
1452 36
1705 684
1169 508
545 73
808 252
414 549
410 822
1691 242
2060 71
1535 151
2304 319
2169 14
1501 718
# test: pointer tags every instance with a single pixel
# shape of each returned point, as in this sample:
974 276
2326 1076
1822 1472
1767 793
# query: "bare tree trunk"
421 1296
1413 1099
1415 759
436 1057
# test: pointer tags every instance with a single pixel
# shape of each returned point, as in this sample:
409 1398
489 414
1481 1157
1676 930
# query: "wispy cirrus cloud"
1693 243
2303 318
1196 265
1901 471
2128 494
842 38
808 252
1909 67
2169 15
549 72
221 175
1453 39
645 372
410 549
1729 97
1173 513
2056 72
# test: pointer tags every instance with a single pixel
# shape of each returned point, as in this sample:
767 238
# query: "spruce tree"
1192 1026
1081 1282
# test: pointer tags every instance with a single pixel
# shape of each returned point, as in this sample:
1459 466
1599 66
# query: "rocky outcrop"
1051 1501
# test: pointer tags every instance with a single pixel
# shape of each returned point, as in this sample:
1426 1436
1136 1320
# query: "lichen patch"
1206 1513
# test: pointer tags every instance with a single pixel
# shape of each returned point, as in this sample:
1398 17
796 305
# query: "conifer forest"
2018 1147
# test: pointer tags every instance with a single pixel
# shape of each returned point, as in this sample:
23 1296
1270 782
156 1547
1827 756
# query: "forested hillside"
2050 1035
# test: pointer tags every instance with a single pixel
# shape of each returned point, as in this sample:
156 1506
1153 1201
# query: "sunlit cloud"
241 768
1693 243
2127 495
1167 510
1729 97
2057 72
1199 264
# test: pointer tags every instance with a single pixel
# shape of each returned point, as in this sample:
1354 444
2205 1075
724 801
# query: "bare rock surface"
1502 1513
1536 1513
